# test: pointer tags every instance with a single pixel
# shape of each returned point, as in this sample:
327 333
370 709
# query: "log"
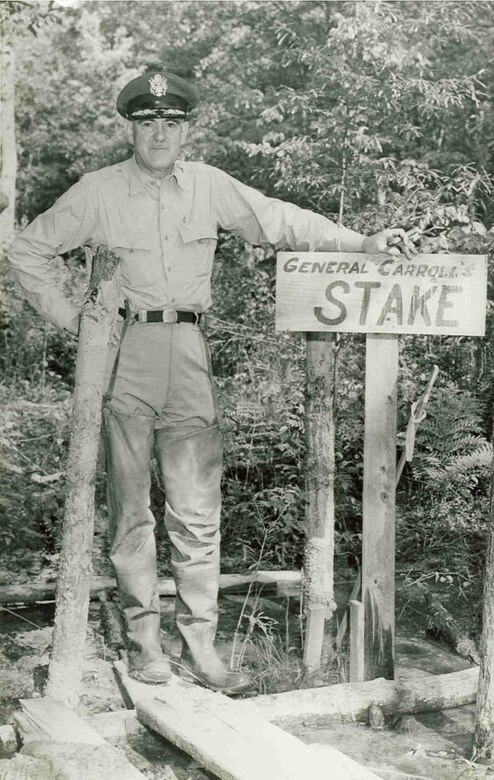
484 716
45 590
351 701
319 481
72 600
272 583
235 746
112 623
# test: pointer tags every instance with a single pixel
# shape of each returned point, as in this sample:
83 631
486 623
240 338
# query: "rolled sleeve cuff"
62 313
349 240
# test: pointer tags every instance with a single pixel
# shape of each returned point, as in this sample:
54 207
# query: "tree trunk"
72 599
319 550
484 719
8 149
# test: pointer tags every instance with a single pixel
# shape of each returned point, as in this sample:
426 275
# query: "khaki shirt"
165 232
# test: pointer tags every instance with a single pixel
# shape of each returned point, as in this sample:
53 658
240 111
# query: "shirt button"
165 238
184 219
168 268
131 250
162 208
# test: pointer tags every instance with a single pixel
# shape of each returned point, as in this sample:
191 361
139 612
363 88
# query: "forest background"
389 104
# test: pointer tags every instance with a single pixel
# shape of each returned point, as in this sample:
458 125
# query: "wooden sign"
442 294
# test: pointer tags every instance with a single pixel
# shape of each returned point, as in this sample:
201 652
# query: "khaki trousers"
162 403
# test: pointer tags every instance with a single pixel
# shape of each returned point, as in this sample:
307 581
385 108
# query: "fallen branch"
272 583
442 624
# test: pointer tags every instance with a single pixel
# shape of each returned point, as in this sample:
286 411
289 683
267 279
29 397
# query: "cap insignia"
158 85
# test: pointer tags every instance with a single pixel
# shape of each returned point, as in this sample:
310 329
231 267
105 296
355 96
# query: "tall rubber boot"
191 470
129 442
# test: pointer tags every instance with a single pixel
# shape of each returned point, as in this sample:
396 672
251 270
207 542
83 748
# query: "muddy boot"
129 442
205 667
146 661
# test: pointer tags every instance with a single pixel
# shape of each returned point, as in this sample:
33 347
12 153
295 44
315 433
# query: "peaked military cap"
156 94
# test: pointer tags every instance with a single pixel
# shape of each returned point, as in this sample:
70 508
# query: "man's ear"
129 132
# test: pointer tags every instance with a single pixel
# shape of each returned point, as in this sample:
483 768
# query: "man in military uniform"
161 216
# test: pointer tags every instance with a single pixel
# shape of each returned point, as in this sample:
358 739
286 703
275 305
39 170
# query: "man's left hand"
393 241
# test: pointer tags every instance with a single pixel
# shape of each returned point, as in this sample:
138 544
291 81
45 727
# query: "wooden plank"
115 725
351 701
134 691
277 583
50 719
378 533
364 293
51 730
356 672
235 746
319 489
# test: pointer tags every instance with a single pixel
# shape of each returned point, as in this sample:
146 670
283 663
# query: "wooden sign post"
378 505
381 296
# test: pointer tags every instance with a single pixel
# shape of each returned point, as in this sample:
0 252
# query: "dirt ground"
430 746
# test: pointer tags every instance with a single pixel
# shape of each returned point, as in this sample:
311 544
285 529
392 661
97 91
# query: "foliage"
443 516
387 104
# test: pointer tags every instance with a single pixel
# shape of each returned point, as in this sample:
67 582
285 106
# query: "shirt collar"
138 179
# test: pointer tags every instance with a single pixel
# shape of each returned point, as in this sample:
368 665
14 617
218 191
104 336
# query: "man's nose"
159 130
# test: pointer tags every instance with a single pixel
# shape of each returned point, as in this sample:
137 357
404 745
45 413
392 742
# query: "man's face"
157 143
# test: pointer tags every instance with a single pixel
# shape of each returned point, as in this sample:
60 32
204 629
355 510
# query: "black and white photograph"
247 390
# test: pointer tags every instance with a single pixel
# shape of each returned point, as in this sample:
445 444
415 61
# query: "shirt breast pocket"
198 244
140 265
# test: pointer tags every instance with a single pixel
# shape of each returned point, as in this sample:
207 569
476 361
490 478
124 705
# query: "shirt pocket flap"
201 232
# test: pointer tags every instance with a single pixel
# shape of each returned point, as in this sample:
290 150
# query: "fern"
480 460
450 441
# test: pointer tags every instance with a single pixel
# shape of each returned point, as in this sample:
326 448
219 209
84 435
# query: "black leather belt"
168 315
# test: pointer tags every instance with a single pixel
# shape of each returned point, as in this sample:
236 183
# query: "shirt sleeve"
68 224
263 220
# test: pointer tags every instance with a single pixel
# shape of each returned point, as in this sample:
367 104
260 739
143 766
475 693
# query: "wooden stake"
319 550
378 542
484 718
356 673
72 599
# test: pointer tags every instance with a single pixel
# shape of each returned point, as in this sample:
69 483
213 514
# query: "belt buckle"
170 316
142 315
